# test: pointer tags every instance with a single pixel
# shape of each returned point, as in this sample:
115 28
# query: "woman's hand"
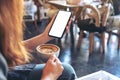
42 38
46 31
68 25
53 69
49 26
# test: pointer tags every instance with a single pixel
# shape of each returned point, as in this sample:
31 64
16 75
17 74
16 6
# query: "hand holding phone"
59 24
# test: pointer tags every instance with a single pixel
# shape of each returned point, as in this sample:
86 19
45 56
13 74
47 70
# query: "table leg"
71 33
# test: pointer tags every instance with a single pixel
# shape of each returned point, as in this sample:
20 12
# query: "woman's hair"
11 32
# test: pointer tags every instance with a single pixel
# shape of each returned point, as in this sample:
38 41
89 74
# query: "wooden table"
60 4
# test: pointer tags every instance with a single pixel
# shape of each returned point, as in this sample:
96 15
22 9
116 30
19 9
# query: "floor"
79 58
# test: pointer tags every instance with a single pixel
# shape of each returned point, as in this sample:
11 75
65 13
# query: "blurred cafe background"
93 40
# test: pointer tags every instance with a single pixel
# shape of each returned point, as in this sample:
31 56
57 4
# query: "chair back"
113 22
91 22
86 13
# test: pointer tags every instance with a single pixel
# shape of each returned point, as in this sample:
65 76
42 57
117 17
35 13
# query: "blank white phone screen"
60 23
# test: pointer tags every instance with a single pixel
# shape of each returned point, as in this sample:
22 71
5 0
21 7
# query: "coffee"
45 50
48 49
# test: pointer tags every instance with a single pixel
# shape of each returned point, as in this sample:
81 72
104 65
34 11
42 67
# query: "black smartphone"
59 25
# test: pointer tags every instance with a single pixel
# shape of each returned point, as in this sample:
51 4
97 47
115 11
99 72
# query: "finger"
58 61
52 58
51 22
53 19
68 25
71 19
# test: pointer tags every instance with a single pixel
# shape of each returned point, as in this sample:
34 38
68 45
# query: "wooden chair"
113 24
114 21
91 21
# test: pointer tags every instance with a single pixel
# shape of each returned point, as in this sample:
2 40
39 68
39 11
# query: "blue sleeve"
3 68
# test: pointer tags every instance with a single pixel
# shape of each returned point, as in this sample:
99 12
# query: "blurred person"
29 8
14 52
